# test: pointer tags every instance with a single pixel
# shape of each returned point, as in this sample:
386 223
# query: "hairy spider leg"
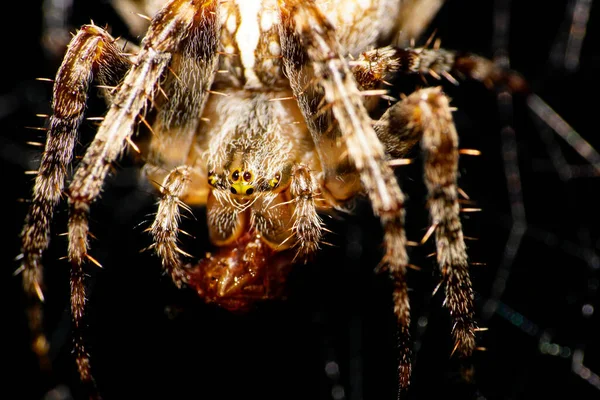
92 53
178 20
425 116
307 225
165 227
309 42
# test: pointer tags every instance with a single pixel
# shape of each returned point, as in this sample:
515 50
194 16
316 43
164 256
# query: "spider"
269 114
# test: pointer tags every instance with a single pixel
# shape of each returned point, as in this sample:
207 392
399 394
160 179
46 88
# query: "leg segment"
310 48
375 66
398 128
440 145
171 26
166 224
91 54
290 219
307 225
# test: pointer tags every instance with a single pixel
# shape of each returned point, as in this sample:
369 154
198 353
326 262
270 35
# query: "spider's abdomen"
250 48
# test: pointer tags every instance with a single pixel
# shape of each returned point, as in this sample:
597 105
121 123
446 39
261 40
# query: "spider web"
535 251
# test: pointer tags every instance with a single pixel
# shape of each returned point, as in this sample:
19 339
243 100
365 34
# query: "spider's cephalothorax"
267 113
260 193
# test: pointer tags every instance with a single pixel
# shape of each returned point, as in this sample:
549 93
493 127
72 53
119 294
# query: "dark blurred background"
534 248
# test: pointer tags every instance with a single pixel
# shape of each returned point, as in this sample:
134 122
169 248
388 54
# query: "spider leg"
307 224
308 42
178 20
440 145
376 66
426 116
166 224
291 220
91 54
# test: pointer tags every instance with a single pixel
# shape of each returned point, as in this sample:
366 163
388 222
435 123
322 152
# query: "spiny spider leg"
425 115
166 224
373 67
307 224
307 37
92 54
440 146
171 26
292 221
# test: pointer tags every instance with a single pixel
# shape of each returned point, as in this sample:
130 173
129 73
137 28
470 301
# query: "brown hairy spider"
267 113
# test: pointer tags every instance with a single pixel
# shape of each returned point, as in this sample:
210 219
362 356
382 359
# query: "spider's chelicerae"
270 114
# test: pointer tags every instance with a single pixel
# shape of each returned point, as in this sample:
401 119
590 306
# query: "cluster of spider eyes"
244 185
242 182
235 176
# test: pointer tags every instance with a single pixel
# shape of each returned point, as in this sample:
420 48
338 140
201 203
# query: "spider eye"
235 175
275 181
247 176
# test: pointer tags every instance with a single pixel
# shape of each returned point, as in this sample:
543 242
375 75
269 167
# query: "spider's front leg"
317 70
177 22
92 54
289 219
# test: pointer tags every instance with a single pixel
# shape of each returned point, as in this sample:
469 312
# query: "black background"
147 338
